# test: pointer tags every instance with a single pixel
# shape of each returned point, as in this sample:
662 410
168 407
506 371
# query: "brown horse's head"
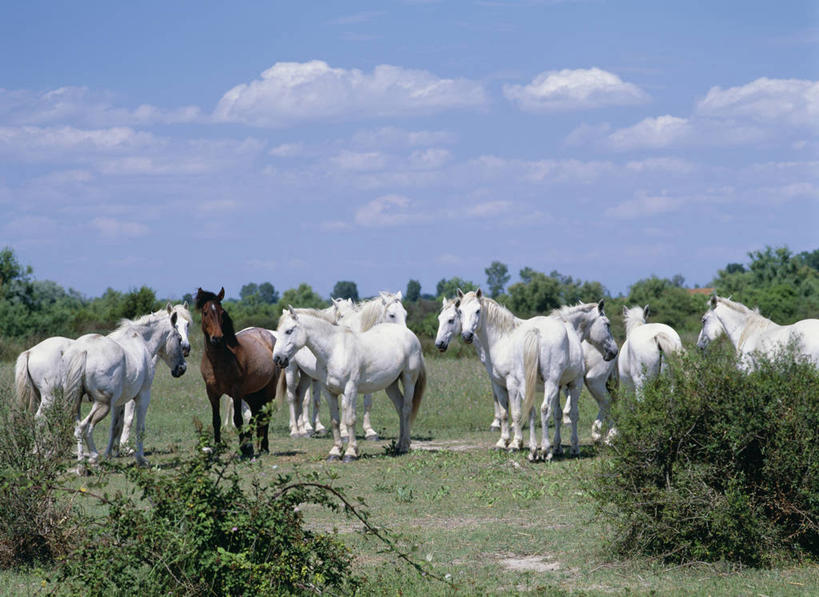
216 323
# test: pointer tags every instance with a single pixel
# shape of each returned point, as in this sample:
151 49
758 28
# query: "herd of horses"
348 348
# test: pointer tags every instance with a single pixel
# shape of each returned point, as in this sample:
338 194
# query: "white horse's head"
449 323
291 337
394 311
470 313
172 351
183 322
598 333
712 327
343 306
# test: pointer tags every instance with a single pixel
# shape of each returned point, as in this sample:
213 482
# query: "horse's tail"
531 366
420 386
667 344
26 390
73 379
281 390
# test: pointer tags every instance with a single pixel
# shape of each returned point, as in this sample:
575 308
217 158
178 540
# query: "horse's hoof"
531 457
295 435
372 437
333 458
349 458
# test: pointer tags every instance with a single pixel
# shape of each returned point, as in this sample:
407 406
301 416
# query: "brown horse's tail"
418 394
26 390
281 390
531 365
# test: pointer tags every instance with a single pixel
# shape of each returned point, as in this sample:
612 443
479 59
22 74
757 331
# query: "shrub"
716 464
196 531
37 525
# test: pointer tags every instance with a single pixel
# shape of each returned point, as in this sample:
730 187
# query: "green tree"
303 296
535 293
448 288
497 275
249 293
268 293
138 302
413 292
345 289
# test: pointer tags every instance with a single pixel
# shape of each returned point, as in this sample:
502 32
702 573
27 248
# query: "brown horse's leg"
216 417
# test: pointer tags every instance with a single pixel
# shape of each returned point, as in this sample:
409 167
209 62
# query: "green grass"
472 512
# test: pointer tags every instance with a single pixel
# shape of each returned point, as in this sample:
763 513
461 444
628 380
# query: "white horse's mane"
495 314
319 313
566 310
755 322
634 317
125 324
370 311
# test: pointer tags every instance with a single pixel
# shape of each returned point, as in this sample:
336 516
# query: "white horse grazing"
520 356
350 362
599 352
752 333
37 374
387 308
641 356
116 368
182 325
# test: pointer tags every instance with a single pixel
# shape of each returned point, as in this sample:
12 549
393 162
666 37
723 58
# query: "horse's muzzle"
281 360
216 340
609 355
467 337
442 346
179 370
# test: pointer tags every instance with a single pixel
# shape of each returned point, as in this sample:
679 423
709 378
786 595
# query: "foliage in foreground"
203 534
37 526
716 464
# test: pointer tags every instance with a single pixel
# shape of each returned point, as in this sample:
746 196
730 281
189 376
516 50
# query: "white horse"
752 333
521 355
599 352
182 325
116 368
350 362
641 356
387 308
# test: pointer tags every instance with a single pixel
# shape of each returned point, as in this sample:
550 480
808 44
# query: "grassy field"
491 520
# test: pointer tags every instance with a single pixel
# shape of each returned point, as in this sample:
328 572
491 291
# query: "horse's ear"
169 307
173 318
479 294
443 302
185 305
383 298
645 311
221 294
292 311
625 310
399 295
601 304
713 301
460 293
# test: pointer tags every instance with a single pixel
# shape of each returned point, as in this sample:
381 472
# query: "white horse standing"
37 374
116 368
350 362
519 356
641 356
752 333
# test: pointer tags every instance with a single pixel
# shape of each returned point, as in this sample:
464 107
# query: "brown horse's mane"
203 297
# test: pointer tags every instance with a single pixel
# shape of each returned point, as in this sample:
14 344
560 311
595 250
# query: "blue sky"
185 144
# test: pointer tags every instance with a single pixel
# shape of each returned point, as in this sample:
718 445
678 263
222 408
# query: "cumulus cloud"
578 89
292 92
390 136
661 131
35 142
389 210
791 102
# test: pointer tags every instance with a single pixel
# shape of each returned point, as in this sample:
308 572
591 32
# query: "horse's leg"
345 432
245 435
557 442
115 430
332 402
532 457
496 422
315 392
348 413
216 418
408 382
567 408
305 423
294 381
125 434
397 399
142 400
369 433
99 409
513 391
503 402
573 392
597 388
550 398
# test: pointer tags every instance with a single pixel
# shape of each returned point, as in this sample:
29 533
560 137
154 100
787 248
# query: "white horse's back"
803 334
37 371
645 350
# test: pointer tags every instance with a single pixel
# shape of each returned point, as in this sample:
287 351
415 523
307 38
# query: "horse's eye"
452 320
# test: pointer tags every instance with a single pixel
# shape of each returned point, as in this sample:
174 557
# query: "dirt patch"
529 564
448 446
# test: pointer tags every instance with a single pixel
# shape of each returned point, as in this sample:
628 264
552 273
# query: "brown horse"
239 365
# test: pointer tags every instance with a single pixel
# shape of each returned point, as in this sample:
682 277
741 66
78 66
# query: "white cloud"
489 209
661 131
791 102
644 205
288 150
114 229
36 142
291 92
669 165
389 210
395 137
359 161
578 89
429 159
